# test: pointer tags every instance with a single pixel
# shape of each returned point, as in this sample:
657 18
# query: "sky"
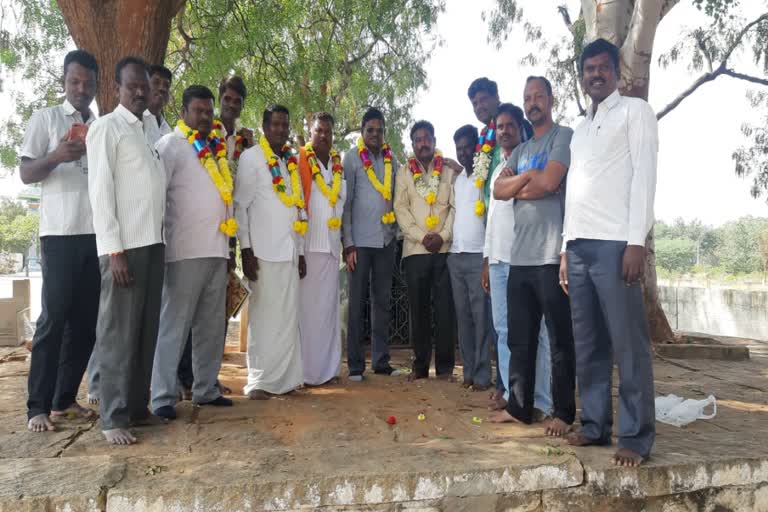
695 173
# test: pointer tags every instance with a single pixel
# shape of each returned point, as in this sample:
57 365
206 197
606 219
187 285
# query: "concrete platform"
331 449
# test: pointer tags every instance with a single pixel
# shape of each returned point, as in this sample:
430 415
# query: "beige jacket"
411 210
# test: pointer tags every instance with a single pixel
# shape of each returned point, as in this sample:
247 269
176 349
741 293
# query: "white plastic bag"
677 411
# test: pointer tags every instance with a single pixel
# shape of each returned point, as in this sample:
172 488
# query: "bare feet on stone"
415 376
40 423
555 427
579 439
93 399
627 458
119 436
258 394
75 411
496 401
503 416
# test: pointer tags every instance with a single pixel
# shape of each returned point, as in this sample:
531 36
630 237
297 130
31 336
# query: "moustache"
534 110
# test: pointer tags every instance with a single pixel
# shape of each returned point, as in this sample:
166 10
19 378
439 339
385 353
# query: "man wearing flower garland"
424 206
198 224
323 184
269 208
368 231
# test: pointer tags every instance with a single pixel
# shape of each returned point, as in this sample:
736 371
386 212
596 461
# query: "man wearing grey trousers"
608 214
126 185
195 259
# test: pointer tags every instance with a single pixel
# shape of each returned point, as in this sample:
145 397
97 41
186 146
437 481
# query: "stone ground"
330 448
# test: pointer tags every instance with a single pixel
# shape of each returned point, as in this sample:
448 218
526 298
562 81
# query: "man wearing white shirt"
608 214
54 155
319 320
269 208
197 212
127 190
159 95
465 263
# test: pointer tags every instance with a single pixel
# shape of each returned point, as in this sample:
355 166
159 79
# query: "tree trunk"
631 25
113 29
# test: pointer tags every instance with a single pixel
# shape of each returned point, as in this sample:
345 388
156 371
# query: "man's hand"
231 262
436 243
563 273
453 164
118 264
350 255
247 135
426 241
250 264
506 173
485 277
68 151
302 267
633 263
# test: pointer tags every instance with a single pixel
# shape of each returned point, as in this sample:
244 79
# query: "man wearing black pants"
53 154
534 181
424 206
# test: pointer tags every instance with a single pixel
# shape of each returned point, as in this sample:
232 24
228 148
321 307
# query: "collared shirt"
319 237
154 131
194 209
412 210
500 228
64 205
361 224
493 168
468 228
612 179
265 223
126 181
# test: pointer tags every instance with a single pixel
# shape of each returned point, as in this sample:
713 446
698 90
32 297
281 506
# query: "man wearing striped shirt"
127 190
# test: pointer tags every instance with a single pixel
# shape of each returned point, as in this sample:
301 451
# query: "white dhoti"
274 347
319 322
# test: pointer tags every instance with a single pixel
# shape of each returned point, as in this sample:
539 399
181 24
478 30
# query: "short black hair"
423 125
547 84
267 117
467 130
127 61
195 92
235 83
324 117
526 130
82 57
483 84
159 69
372 113
597 47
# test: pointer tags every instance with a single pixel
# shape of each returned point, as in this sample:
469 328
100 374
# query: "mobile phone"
77 132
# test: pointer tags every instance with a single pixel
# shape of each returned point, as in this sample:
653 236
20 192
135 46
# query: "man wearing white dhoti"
322 179
269 208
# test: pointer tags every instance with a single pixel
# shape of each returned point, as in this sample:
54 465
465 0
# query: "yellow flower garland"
385 189
331 194
278 182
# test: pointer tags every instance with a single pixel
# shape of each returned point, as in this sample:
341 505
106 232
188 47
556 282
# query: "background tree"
676 254
739 250
18 229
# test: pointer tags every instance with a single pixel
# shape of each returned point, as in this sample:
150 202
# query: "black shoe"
219 402
167 412
387 370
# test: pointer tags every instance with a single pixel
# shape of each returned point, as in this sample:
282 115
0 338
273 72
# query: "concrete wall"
722 311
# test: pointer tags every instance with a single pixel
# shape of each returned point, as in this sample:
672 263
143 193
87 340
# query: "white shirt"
265 224
612 178
193 208
319 237
64 205
154 131
468 228
500 229
126 181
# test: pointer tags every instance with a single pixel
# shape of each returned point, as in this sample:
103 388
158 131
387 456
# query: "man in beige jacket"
424 207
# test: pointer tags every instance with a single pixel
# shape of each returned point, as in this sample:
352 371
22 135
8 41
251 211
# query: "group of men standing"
139 225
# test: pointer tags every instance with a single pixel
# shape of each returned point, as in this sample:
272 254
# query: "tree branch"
737 41
748 78
706 77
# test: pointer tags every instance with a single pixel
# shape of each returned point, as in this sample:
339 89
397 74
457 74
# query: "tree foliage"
18 229
675 254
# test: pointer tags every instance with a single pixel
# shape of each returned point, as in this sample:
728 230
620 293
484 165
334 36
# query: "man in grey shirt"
368 233
534 180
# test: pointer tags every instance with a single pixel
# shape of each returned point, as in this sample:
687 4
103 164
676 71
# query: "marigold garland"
331 194
486 141
278 182
385 189
212 152
427 189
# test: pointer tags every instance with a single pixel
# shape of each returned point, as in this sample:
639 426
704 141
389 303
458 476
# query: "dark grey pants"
66 328
126 335
373 271
609 324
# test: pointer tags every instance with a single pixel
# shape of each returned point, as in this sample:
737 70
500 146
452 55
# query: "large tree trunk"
631 25
113 29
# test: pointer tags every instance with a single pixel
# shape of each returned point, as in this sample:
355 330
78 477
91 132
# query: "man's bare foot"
415 376
627 458
75 411
502 416
258 394
448 377
579 439
556 427
466 384
480 387
40 423
93 399
497 404
119 436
